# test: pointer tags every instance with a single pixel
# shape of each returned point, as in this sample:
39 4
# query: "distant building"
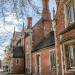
17 60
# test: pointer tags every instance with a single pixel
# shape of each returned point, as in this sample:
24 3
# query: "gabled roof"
49 41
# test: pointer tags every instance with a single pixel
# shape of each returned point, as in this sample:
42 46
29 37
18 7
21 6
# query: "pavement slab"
5 73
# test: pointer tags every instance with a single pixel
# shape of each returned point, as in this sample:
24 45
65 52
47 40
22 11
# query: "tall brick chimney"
45 12
46 17
29 22
45 5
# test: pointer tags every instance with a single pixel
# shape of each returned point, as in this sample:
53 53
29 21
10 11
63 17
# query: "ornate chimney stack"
29 22
45 5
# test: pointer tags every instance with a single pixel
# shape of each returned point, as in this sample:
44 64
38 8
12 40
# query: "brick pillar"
60 24
29 22
46 17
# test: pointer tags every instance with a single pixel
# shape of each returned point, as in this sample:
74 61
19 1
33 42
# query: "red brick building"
40 49
65 37
50 45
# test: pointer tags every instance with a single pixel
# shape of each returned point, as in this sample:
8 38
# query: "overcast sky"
7 29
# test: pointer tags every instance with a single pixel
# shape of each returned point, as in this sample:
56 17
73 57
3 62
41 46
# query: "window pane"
67 57
17 61
53 60
70 56
70 11
38 63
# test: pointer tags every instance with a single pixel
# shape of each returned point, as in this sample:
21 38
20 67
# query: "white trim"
62 59
65 15
57 70
70 41
39 63
52 50
49 61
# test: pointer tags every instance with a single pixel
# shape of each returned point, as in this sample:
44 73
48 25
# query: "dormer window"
69 11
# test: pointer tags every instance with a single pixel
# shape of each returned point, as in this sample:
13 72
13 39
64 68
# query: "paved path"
4 73
16 74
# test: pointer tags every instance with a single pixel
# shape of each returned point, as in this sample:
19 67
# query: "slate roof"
45 42
18 52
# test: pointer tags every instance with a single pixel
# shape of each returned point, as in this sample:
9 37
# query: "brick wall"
60 26
43 26
45 62
17 68
37 34
40 30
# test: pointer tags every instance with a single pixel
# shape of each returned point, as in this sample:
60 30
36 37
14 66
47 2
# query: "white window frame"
36 63
52 50
17 59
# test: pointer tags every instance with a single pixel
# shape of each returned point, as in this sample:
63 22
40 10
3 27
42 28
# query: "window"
70 56
17 61
38 63
53 60
70 11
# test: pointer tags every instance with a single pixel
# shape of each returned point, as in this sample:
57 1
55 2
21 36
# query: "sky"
6 29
